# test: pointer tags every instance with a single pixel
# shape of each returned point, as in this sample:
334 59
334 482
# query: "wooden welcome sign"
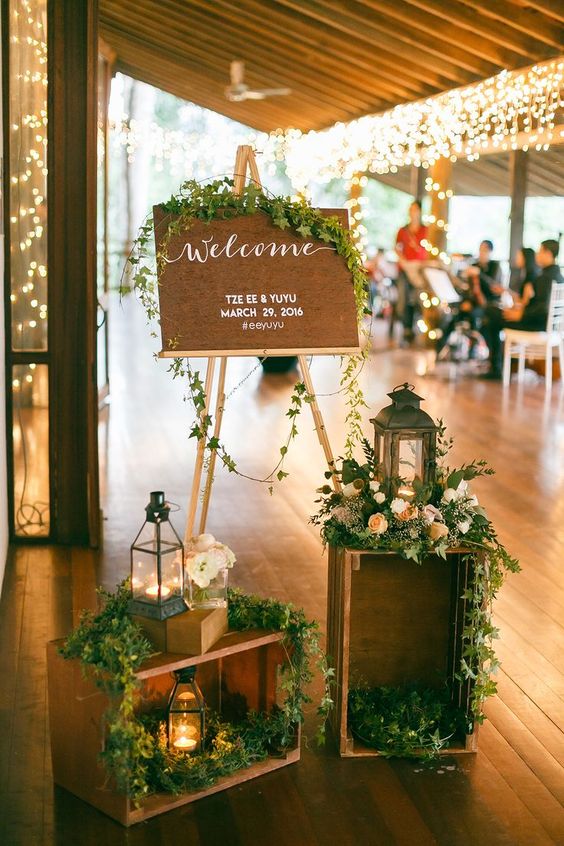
242 286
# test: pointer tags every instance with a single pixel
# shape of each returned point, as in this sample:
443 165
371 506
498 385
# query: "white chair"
525 345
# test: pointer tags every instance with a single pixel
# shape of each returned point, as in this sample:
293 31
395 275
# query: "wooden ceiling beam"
321 42
328 82
441 56
505 19
326 64
382 69
212 54
483 36
131 46
551 8
197 89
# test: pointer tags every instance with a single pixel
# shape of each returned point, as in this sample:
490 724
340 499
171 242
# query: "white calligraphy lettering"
210 249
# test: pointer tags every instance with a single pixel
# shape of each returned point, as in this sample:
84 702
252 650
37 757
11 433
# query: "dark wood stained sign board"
245 287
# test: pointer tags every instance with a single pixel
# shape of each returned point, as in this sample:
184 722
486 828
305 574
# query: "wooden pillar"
72 94
417 182
518 165
441 173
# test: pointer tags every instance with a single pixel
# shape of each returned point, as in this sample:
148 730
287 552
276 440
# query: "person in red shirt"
409 248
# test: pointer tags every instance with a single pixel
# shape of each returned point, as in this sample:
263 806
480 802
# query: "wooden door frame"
72 35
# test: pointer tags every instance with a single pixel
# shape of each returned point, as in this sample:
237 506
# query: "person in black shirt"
485 276
531 317
526 265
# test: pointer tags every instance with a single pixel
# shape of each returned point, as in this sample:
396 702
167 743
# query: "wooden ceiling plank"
205 45
184 62
213 57
380 65
441 56
551 8
322 41
504 18
189 87
483 36
332 64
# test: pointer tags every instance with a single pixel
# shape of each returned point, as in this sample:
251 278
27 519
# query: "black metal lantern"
186 713
157 565
405 443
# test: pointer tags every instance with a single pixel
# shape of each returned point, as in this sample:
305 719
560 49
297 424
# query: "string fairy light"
510 111
28 244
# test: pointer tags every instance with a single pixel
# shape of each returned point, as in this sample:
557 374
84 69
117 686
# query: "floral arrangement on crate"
207 562
111 647
415 520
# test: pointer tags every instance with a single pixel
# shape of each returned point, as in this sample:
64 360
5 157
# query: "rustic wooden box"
394 622
239 673
190 633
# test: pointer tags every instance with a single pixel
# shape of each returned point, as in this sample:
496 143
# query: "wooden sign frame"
245 161
242 286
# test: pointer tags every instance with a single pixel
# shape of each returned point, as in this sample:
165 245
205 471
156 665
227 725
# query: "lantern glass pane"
410 458
185 718
144 576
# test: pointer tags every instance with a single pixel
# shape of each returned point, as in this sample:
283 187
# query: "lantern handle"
407 385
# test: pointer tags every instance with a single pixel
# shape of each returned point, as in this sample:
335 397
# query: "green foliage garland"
401 722
216 199
111 647
441 516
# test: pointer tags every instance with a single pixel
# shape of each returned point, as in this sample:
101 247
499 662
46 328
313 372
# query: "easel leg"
198 467
219 406
318 421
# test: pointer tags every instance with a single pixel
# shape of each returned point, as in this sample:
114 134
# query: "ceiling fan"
238 91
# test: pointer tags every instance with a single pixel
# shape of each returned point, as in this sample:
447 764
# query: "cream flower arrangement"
206 558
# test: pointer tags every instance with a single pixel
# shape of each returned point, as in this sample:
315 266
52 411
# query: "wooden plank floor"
511 792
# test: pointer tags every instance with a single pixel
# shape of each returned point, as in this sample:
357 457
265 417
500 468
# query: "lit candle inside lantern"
154 591
187 744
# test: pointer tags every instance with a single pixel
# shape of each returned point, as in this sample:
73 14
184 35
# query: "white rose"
380 497
464 526
374 486
398 505
353 488
452 494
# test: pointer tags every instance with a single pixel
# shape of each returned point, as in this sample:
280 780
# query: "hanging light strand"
513 110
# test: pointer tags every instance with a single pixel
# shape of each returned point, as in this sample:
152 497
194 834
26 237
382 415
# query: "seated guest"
526 265
484 276
529 315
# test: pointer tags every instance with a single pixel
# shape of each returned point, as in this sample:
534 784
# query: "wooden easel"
244 161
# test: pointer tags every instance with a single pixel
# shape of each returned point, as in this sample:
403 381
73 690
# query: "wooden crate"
239 673
394 622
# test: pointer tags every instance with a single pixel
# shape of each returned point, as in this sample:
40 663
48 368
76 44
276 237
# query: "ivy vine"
111 648
206 202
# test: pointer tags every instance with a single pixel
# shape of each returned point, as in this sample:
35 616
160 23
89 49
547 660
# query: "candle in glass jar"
154 591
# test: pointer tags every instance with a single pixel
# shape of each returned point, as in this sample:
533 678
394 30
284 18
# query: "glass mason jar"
210 595
207 565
